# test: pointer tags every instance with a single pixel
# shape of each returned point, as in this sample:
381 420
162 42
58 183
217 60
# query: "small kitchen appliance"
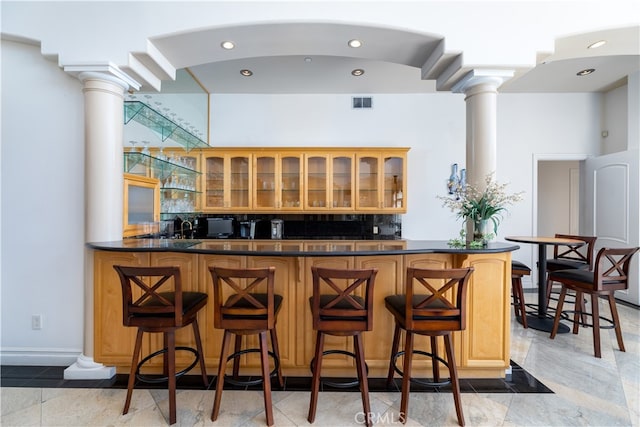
277 228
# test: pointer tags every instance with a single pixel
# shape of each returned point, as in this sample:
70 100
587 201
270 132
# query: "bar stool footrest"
237 382
418 380
152 380
565 316
338 384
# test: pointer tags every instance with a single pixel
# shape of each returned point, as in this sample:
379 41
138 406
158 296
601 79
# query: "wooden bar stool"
341 305
162 307
567 257
518 270
245 303
434 304
611 274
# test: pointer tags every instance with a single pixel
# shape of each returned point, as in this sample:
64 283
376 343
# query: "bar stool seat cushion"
520 266
190 300
582 276
243 303
341 305
439 310
563 264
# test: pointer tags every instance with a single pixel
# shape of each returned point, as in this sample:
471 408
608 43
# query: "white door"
612 185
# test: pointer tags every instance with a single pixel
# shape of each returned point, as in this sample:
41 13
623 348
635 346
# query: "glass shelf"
162 168
164 127
179 190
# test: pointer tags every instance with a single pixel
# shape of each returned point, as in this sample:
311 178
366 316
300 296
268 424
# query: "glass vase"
483 231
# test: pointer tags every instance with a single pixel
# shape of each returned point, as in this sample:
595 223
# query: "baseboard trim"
20 357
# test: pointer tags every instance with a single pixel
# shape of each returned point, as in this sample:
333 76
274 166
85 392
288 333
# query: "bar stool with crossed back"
610 274
341 305
436 308
245 303
567 257
163 307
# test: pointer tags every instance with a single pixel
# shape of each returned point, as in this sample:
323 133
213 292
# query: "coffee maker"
248 229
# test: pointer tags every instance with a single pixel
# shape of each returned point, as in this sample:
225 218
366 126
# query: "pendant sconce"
456 183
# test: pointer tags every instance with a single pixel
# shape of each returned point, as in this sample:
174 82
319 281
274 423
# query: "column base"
86 369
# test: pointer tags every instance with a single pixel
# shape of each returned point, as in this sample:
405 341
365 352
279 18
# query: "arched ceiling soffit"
276 53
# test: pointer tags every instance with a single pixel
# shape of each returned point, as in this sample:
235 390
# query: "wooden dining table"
541 321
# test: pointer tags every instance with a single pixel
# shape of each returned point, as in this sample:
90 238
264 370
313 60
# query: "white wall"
432 125
42 208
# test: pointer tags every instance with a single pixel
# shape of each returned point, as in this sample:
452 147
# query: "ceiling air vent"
361 102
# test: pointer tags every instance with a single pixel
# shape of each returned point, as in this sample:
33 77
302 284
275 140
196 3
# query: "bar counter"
482 350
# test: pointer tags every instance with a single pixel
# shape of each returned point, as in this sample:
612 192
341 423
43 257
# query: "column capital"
107 72
476 77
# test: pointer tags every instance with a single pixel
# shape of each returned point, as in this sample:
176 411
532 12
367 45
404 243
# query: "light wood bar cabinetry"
308 180
482 350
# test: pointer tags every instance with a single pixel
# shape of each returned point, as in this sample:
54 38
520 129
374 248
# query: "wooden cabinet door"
291 182
369 183
267 185
316 182
226 181
394 174
342 184
113 342
381 182
485 341
329 182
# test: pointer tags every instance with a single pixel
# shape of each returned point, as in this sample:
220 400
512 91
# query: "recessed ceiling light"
246 73
597 44
227 45
308 59
357 72
585 72
355 43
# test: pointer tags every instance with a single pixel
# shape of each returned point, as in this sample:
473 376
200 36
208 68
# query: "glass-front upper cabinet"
368 184
394 182
381 181
291 180
265 174
342 182
316 182
329 182
227 181
278 182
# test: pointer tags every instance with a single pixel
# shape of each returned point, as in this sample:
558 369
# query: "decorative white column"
481 90
103 124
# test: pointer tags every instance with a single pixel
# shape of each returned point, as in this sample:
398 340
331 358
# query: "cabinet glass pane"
342 182
239 182
214 194
266 182
316 182
290 167
393 182
368 182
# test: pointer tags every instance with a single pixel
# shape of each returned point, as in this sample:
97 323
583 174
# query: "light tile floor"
587 392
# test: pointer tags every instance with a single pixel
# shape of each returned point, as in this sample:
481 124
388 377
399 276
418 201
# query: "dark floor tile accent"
53 377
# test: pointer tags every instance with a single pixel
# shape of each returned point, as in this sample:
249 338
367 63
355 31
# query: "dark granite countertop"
296 248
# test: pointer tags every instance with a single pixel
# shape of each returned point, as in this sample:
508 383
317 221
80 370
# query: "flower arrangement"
482 206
